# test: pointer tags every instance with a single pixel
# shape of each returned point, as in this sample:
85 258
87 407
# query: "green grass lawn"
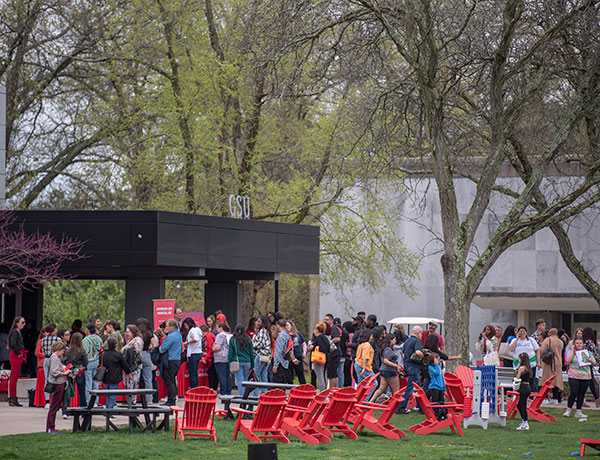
544 441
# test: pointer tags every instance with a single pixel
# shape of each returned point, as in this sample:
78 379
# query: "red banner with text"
164 309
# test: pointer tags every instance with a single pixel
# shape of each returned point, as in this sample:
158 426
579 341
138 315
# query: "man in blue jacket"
172 345
412 368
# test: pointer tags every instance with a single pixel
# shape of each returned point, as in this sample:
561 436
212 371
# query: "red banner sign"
164 309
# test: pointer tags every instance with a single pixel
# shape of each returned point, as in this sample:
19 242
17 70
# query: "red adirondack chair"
337 412
594 443
300 421
380 425
465 374
267 418
362 392
431 423
533 410
198 414
454 388
301 396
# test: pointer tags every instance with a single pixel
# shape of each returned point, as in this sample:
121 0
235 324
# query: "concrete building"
530 280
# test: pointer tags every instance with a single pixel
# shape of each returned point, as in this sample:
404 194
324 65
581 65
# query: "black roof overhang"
159 244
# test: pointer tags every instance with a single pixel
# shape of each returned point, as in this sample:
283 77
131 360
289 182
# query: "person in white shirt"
194 349
525 344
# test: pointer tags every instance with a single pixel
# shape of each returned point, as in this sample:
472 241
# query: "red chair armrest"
512 393
176 408
243 411
369 405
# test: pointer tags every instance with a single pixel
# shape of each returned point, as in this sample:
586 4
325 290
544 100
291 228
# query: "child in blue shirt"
437 387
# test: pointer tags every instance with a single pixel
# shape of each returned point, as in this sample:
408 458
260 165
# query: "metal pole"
276 296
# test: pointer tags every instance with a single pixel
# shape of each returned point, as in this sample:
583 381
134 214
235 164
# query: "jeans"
90 383
241 375
111 401
262 373
283 375
298 369
147 372
193 361
593 384
414 375
224 378
341 380
366 374
46 369
80 382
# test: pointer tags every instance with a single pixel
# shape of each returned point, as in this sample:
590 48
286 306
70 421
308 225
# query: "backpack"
548 356
288 349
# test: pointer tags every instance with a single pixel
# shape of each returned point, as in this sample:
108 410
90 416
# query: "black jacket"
15 342
115 365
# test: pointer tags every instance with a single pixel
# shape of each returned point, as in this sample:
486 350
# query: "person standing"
540 326
58 376
437 387
389 368
208 338
145 327
172 346
15 357
132 352
47 343
524 344
364 355
487 344
179 317
115 365
193 344
262 345
413 363
221 350
335 354
579 362
299 351
282 372
240 351
432 327
525 373
551 353
321 341
92 344
77 356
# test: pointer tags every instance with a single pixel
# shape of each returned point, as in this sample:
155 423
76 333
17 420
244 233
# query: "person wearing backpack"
282 370
551 360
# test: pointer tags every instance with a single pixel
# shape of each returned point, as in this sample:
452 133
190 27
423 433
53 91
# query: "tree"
480 84
27 261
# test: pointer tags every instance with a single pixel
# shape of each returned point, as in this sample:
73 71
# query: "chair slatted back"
542 393
270 410
341 403
455 388
315 409
199 407
465 374
301 396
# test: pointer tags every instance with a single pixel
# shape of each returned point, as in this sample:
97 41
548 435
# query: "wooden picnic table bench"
130 409
246 400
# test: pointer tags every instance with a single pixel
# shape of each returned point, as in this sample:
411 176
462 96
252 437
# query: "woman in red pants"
15 343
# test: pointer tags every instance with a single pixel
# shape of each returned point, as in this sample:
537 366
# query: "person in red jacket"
208 339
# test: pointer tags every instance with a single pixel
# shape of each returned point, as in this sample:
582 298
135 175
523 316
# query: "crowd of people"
271 349
543 354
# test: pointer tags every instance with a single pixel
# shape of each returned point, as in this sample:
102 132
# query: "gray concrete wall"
532 266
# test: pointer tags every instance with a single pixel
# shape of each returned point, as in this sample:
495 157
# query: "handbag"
234 366
264 359
504 351
491 359
100 372
50 387
318 356
516 384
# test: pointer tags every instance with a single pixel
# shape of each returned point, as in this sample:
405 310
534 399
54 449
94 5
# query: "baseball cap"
221 318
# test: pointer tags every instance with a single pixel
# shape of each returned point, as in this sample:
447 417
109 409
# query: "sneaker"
554 402
523 426
65 416
567 413
579 414
402 411
47 406
546 402
53 432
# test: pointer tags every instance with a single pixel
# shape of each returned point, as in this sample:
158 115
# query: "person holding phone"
57 374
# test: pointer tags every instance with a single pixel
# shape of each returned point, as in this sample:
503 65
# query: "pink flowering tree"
27 260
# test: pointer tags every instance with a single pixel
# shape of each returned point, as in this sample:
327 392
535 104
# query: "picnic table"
247 400
130 409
